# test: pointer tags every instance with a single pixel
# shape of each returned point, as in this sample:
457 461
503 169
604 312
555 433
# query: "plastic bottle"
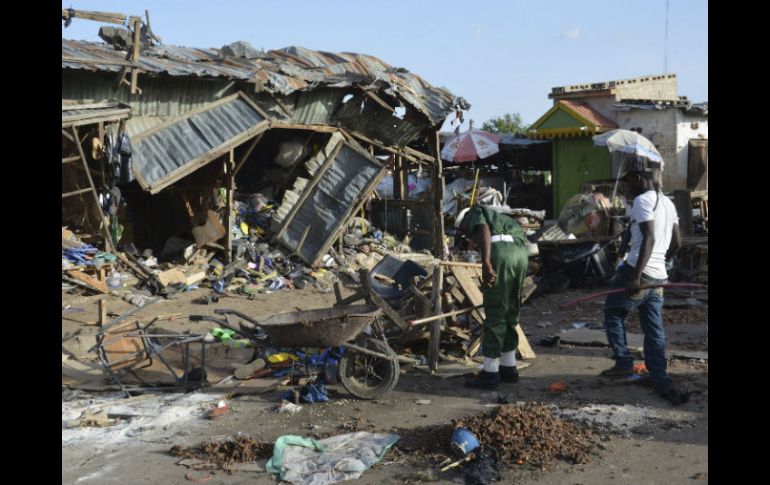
113 280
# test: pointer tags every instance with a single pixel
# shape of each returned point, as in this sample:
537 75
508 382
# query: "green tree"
508 123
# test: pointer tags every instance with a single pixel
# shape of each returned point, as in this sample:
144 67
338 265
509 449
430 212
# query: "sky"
501 56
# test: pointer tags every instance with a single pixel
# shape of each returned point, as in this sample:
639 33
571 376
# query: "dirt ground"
660 445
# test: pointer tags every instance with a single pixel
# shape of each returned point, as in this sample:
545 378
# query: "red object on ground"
640 369
199 480
217 412
619 290
557 387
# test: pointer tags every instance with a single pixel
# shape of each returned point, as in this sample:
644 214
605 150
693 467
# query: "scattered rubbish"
310 393
97 419
344 457
581 325
640 368
556 387
222 334
422 401
550 341
485 468
246 371
225 454
282 357
288 407
532 434
218 410
463 442
543 324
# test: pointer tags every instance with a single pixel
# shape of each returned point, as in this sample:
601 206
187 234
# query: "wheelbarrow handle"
225 311
363 350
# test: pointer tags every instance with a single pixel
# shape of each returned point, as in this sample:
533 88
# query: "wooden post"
102 303
135 54
438 190
230 169
435 325
398 178
97 206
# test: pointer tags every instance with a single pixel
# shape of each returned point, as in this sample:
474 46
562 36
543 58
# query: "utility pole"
665 43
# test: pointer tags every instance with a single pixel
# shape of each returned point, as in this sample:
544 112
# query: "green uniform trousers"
502 302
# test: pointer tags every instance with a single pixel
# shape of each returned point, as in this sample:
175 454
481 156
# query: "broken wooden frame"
336 174
96 115
253 124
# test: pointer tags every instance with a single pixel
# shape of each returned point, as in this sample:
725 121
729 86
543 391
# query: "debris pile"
243 449
530 433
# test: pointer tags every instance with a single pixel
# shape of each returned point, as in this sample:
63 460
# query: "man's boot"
484 380
509 373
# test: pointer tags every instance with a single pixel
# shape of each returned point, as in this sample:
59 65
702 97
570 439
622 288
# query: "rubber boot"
484 380
509 373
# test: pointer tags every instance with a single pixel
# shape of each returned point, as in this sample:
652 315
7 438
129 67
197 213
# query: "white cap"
460 216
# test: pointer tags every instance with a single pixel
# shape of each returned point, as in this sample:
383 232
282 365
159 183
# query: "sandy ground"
650 442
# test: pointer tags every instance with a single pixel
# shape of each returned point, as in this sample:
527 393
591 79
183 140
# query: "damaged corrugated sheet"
329 201
166 153
85 114
283 71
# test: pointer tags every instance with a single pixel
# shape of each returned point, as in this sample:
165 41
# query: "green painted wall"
576 160
560 119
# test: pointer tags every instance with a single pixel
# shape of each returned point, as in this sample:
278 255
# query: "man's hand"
488 274
633 287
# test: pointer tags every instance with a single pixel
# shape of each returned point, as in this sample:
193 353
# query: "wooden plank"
301 241
472 291
76 192
435 327
105 17
441 315
380 101
359 295
438 195
89 280
229 170
419 154
297 126
248 152
460 264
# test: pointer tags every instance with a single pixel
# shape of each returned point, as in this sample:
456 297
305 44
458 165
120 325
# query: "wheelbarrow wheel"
367 376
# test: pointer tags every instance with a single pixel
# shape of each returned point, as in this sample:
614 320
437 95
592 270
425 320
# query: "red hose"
619 290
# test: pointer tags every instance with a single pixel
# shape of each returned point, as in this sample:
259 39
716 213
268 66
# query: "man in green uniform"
504 260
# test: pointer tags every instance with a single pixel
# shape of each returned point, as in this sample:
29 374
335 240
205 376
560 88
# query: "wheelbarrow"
368 367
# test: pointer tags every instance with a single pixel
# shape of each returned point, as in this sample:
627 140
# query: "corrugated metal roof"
590 114
80 114
513 141
279 71
165 154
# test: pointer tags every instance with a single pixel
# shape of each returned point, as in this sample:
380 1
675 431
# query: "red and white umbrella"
470 146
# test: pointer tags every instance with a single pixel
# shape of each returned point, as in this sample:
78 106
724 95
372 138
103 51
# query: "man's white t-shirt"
664 217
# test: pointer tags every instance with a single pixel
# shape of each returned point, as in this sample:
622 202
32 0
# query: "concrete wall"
670 130
685 132
658 126
653 87
603 105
